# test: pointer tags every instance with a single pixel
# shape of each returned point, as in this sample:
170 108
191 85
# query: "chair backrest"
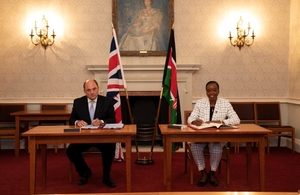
187 113
245 111
7 121
7 108
53 106
142 106
268 112
145 126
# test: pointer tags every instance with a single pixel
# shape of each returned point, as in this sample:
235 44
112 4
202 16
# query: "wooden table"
245 133
36 115
43 135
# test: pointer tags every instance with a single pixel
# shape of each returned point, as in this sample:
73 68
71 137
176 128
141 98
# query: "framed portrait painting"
143 26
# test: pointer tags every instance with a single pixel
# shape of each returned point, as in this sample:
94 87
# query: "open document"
213 125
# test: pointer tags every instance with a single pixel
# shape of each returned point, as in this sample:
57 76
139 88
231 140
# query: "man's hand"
81 123
97 122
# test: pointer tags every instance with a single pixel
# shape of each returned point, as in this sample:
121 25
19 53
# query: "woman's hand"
197 122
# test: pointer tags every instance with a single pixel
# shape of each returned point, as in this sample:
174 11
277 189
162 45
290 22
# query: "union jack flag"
116 82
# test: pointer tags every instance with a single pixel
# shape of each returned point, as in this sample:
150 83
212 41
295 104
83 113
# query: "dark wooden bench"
7 122
268 115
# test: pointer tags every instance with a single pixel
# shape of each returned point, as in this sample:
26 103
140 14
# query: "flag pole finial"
112 25
173 26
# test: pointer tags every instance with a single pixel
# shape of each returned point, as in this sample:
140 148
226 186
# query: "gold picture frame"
143 26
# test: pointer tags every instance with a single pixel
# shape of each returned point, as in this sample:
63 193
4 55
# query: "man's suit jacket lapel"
98 106
85 108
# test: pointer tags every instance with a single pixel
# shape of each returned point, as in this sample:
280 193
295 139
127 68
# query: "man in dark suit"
103 112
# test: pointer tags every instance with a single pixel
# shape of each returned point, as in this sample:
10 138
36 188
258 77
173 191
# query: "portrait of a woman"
144 33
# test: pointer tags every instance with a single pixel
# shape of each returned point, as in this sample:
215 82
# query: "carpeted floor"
282 174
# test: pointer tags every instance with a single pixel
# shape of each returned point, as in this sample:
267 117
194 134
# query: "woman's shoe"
212 179
203 180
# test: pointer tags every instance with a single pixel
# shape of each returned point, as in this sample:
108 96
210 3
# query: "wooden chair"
53 106
7 122
188 155
92 152
246 113
268 116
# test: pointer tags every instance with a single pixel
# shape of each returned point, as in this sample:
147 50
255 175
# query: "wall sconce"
242 34
40 35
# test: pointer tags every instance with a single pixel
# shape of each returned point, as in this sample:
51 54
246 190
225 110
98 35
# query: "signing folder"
113 126
90 127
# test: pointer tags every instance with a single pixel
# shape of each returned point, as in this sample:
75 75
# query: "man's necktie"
92 110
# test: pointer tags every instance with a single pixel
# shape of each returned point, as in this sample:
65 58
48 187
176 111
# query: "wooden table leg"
168 163
43 148
249 162
17 135
261 162
128 163
32 159
165 161
26 144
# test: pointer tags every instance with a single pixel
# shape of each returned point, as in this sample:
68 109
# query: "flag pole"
125 85
138 161
128 105
123 81
156 121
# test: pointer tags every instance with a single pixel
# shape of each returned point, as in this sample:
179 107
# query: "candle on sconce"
40 34
243 33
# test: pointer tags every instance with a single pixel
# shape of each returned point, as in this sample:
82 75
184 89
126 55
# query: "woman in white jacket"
208 109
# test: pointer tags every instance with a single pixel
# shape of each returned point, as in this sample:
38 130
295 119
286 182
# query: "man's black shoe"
82 181
109 182
85 178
